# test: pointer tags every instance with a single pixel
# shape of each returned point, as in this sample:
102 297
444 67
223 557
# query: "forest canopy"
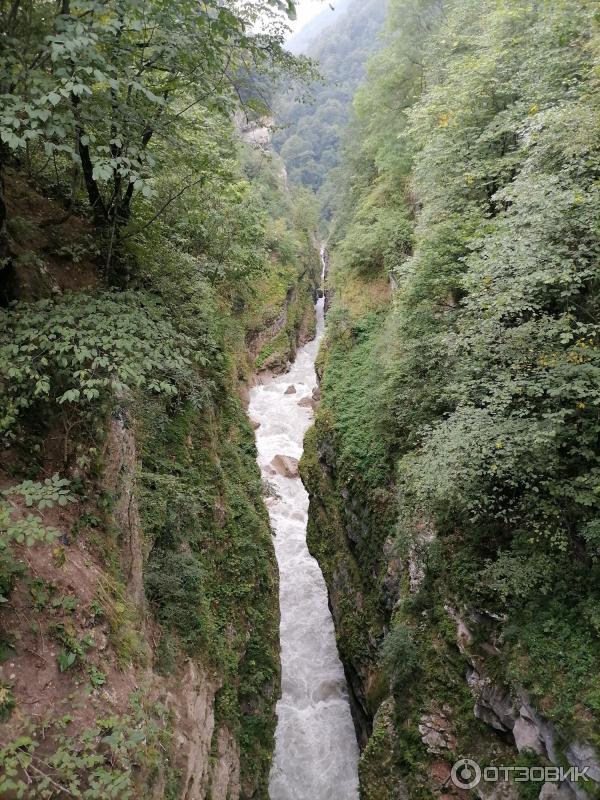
470 184
309 135
100 95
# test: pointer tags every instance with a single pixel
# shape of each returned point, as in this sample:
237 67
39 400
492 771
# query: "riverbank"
316 752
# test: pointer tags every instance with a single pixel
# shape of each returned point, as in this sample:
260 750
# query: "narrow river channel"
316 755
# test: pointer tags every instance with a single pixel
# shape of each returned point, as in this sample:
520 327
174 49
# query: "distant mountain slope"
330 15
309 141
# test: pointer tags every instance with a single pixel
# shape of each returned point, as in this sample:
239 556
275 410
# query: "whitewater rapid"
316 753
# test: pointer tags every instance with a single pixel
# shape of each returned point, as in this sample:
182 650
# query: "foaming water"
316 753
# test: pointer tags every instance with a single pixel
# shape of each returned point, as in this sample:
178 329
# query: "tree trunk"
87 168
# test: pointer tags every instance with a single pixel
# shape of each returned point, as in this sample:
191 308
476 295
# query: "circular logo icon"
466 774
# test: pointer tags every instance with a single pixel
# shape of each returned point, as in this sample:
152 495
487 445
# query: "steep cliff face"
467 399
432 678
204 707
449 701
139 648
336 525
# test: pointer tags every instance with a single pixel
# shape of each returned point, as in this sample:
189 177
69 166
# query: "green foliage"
218 223
40 591
174 587
53 491
96 676
400 657
380 236
514 462
81 350
352 373
125 114
65 659
97 763
75 648
95 87
24 530
309 140
240 243
7 701
27 530
477 136
551 648
113 605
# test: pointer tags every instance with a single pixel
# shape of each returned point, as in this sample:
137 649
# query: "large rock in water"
286 466
290 390
306 402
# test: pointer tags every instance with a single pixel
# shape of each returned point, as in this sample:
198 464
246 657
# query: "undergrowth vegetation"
475 393
152 249
84 349
101 762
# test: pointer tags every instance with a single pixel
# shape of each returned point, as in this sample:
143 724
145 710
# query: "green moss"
211 576
359 623
300 318
350 390
276 352
7 701
378 768
268 297
552 654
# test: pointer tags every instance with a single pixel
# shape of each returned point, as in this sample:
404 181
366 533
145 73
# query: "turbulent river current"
316 753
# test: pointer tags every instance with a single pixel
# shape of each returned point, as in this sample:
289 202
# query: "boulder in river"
290 390
306 402
285 466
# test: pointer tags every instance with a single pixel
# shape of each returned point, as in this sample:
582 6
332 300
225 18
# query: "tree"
341 51
89 84
479 128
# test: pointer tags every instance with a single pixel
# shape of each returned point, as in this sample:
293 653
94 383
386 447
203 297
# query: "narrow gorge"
316 754
452 469
299 400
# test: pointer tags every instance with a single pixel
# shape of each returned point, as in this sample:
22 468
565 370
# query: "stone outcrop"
193 710
119 482
285 466
416 559
225 770
307 402
493 704
436 732
513 713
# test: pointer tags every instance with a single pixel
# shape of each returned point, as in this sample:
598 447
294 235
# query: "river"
316 753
